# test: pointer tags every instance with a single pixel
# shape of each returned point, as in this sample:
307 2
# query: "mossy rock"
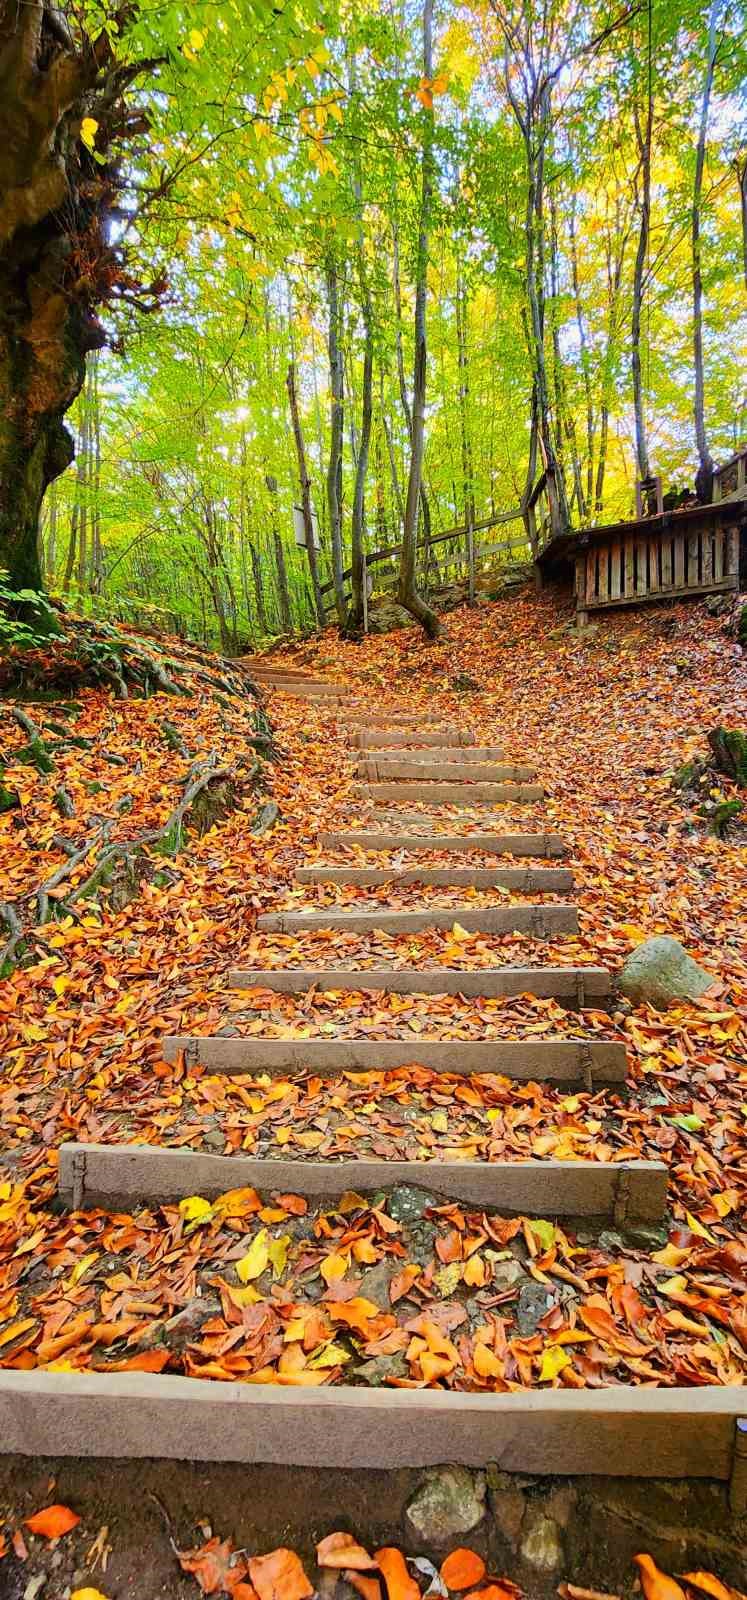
729 748
722 815
10 799
742 626
211 805
689 775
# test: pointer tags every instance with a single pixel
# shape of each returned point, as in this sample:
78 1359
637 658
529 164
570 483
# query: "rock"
534 1301
742 626
464 684
406 1203
660 971
561 1504
214 1139
189 1320
386 616
541 1547
506 1274
729 749
508 1505
375 1284
449 1503
376 1371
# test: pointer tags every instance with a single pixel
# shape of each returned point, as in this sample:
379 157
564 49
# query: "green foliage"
26 617
284 141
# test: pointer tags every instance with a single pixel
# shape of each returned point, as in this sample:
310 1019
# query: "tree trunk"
406 590
355 615
336 424
740 167
259 588
305 481
644 136
286 616
704 476
468 487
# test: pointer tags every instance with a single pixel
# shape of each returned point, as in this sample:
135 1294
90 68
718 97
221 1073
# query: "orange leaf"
492 1591
710 1585
368 1588
279 1576
214 1568
462 1568
53 1521
657 1585
399 1584
340 1550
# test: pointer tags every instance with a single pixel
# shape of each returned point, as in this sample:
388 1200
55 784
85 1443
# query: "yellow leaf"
248 1296
80 1268
87 1594
278 1254
725 1202
486 1362
88 130
196 38
61 984
673 1286
195 1209
553 1362
697 1227
253 1264
334 1267
440 1122
670 1256
474 1272
460 933
330 1355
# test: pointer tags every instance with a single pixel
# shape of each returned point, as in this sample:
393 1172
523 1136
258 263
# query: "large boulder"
660 972
449 1503
384 616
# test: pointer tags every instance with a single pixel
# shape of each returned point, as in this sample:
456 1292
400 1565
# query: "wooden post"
303 474
582 615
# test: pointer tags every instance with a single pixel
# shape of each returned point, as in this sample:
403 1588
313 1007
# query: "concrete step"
308 691
538 921
509 844
393 738
587 1061
653 1433
520 880
404 768
422 792
460 755
398 719
125 1175
578 986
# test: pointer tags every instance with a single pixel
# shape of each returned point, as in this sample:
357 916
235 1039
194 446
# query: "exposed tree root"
119 866
87 653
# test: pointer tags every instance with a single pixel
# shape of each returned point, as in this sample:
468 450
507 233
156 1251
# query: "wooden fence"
697 559
450 561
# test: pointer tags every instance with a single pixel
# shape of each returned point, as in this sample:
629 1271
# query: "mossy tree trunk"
56 265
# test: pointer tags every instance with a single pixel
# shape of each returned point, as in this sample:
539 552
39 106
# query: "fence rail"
390 553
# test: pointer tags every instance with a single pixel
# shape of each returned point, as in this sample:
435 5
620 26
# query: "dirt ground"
582 1531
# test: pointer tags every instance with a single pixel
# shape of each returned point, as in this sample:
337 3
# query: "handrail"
374 557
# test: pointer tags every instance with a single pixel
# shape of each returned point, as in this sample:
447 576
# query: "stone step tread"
444 771
514 844
518 879
585 1060
459 755
653 1433
392 738
120 1175
440 792
577 984
539 921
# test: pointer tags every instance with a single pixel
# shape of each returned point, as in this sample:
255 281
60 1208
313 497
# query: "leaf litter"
606 722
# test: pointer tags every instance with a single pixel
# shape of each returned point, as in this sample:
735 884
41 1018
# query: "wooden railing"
454 560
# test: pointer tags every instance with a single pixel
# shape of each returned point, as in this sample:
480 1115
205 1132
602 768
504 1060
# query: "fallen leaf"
53 1522
340 1550
462 1568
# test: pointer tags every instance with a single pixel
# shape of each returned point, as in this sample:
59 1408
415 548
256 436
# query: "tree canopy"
540 213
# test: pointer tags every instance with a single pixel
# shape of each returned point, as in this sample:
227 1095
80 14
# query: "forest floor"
608 717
